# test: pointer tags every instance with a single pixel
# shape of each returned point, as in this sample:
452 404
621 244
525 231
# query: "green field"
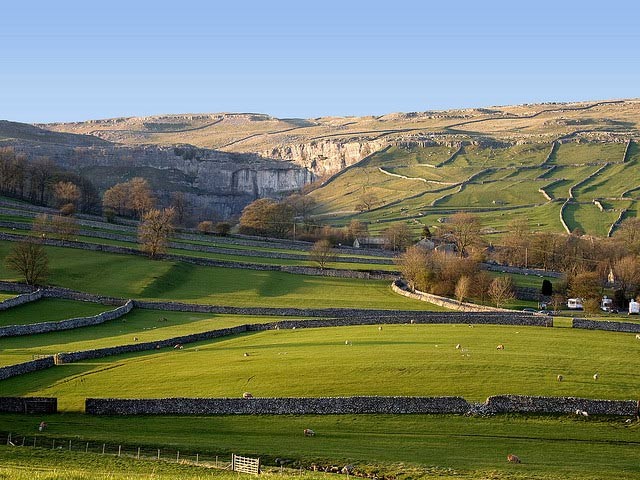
145 325
509 180
411 360
50 310
129 276
402 447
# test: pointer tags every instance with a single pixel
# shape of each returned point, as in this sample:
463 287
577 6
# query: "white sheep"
582 412
308 432
638 336
560 378
247 395
458 347
596 376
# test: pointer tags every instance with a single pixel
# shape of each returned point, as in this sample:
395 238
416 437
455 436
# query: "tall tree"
501 290
30 259
154 231
322 253
397 237
463 229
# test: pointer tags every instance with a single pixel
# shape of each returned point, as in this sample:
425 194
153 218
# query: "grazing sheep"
596 376
500 347
245 354
582 412
247 395
348 342
458 347
638 336
135 339
178 346
511 458
308 432
560 378
380 328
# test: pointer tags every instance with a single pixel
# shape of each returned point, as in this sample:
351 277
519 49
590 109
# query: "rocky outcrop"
326 156
214 182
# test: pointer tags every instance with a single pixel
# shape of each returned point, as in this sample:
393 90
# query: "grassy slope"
414 360
508 184
409 446
137 277
50 310
146 325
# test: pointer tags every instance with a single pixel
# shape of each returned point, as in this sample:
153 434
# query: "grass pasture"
129 276
411 360
145 325
49 310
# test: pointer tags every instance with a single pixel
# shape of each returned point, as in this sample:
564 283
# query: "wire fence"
144 452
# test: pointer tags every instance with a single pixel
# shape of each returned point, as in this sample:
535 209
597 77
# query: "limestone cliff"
326 157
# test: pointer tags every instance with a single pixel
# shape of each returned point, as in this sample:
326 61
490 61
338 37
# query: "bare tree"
67 193
154 231
463 229
397 237
413 266
206 227
30 259
501 290
129 198
463 287
367 201
627 274
322 253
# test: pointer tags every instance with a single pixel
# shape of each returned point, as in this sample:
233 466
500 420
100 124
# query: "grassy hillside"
498 184
412 360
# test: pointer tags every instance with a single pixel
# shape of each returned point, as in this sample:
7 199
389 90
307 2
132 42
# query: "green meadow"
408 360
130 276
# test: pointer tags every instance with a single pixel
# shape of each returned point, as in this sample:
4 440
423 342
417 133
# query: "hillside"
561 166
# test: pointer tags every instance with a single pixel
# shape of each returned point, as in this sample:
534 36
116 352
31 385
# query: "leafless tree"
154 230
501 290
30 259
322 253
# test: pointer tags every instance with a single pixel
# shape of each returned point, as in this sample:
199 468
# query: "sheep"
380 328
348 342
560 378
245 354
638 336
247 395
458 347
511 458
308 432
582 412
596 376
500 347
135 339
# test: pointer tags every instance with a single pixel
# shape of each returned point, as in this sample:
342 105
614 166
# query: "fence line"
222 462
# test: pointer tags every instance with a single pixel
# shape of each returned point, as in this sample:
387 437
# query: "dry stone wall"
526 404
26 367
358 405
626 327
35 328
28 405
277 406
20 300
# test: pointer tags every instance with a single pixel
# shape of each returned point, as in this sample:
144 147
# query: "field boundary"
359 405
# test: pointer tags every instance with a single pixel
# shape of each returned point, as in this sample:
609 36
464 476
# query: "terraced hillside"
556 186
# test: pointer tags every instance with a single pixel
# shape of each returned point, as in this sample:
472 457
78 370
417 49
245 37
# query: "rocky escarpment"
214 183
326 156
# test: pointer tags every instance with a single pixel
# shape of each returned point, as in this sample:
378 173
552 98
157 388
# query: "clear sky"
77 60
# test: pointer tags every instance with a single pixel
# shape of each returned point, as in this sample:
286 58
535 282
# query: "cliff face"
326 157
215 183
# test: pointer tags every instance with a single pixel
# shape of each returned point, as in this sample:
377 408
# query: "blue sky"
78 60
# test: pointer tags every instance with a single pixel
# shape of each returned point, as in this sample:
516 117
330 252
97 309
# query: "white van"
606 304
574 304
